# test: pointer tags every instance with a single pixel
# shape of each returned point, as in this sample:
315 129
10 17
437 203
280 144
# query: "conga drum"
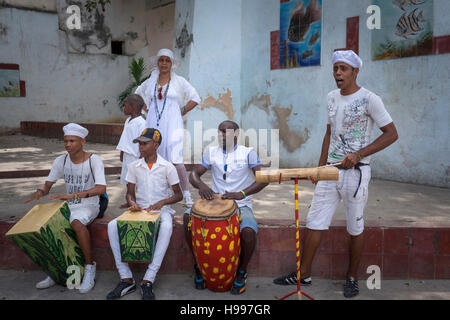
216 241
138 232
46 236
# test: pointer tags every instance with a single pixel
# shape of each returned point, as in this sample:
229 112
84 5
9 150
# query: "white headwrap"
166 53
347 56
73 129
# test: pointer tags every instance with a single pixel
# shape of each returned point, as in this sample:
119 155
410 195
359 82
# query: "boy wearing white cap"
352 112
84 177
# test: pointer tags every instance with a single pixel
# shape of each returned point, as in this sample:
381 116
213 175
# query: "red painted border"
441 45
275 50
352 35
23 91
9 66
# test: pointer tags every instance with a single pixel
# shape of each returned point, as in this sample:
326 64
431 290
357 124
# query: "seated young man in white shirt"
156 183
233 175
84 176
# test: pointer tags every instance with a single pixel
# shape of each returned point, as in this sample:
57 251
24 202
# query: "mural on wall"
406 30
9 83
300 33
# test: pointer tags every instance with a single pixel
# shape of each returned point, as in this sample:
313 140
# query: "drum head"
217 208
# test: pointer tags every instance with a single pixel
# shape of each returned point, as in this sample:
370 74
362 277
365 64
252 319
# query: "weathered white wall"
231 51
414 90
71 75
59 86
212 64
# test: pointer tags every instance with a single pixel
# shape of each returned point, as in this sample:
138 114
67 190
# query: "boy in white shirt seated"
84 175
156 183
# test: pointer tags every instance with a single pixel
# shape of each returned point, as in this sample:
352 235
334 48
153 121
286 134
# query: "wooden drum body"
138 232
46 236
216 241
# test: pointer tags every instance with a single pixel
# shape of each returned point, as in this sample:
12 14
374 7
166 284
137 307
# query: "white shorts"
328 194
85 214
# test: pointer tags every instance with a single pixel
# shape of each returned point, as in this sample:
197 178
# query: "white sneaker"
188 199
88 279
46 283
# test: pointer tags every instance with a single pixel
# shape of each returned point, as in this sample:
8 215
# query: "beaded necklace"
159 114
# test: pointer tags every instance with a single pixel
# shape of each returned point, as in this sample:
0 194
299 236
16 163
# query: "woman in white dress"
168 98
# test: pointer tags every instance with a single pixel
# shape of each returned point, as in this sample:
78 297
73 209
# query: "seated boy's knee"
112 224
248 233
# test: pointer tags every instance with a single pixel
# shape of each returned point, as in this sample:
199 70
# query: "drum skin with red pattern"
215 230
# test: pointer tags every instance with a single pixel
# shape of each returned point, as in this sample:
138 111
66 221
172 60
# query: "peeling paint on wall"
184 40
224 103
262 102
290 138
3 30
93 31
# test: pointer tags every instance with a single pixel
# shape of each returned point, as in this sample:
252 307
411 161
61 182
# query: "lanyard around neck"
159 114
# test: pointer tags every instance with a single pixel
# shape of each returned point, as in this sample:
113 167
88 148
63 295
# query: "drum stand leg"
297 238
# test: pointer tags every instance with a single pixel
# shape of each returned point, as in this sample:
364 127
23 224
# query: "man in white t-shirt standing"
352 112
233 170
84 176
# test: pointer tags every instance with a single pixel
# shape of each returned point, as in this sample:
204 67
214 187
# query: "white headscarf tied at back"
185 91
348 57
73 129
166 53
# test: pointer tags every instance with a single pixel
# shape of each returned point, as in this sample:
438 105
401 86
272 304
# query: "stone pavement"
388 200
19 285
390 203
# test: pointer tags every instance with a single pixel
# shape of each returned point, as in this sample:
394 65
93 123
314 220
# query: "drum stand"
297 238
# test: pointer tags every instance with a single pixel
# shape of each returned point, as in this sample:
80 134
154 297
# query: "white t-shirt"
78 177
238 174
131 130
155 184
351 119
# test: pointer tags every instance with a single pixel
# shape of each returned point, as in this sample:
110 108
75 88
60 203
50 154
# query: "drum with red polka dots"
216 241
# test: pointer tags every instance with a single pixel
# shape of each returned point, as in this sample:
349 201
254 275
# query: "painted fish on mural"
409 24
402 4
301 20
314 38
306 54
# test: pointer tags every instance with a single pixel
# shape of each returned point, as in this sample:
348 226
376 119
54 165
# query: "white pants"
165 232
328 194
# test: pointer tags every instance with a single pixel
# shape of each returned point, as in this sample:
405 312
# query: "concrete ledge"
401 250
108 133
44 173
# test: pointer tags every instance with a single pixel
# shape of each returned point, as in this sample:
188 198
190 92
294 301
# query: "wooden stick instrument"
320 173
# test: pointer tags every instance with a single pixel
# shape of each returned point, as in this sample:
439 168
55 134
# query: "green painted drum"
46 236
138 232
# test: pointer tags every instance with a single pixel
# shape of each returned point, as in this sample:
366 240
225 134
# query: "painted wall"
231 53
71 75
212 64
59 86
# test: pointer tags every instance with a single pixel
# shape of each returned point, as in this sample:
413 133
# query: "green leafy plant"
137 69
